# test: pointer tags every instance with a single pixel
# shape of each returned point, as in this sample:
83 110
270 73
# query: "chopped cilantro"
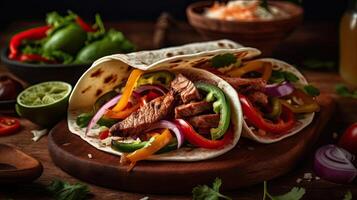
295 193
281 76
62 190
343 90
223 60
204 192
311 90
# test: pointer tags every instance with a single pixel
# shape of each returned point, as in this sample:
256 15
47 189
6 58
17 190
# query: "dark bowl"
261 34
36 73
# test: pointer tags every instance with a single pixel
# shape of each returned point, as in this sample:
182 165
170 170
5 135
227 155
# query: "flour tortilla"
302 123
110 71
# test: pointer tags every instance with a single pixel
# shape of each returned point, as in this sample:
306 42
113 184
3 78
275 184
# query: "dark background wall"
114 10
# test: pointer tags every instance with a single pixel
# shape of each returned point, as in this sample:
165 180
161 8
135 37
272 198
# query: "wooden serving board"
248 163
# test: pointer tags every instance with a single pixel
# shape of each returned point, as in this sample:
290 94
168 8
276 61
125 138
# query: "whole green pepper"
220 105
69 39
112 42
133 146
159 77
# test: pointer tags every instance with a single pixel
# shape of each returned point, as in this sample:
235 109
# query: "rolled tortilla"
108 72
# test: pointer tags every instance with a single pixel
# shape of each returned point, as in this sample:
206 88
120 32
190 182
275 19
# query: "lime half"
44 103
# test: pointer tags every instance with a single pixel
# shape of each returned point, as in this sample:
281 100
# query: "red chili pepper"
8 125
32 34
104 134
84 25
196 139
34 57
253 116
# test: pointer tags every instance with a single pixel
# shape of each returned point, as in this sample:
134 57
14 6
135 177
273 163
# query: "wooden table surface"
311 40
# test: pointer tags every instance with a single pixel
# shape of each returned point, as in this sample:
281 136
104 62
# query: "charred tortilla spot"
110 78
86 89
220 44
230 46
176 61
180 53
169 54
97 73
98 92
173 65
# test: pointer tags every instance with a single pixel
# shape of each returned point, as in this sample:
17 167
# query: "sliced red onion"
279 90
334 164
144 88
101 112
172 126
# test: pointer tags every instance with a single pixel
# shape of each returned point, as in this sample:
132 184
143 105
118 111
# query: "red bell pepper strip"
198 140
8 125
253 116
104 134
34 57
84 25
31 34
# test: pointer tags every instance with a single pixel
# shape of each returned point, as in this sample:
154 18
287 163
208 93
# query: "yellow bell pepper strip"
111 114
128 90
253 66
156 143
309 104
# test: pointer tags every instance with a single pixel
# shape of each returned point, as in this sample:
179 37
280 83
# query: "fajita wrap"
111 73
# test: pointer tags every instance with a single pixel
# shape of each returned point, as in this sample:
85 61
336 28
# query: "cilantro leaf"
343 90
311 90
223 60
348 196
281 76
294 194
62 190
204 192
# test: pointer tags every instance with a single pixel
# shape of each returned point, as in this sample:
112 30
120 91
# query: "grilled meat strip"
204 121
192 109
185 89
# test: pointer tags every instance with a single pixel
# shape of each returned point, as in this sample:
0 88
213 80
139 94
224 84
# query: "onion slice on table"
101 112
334 164
279 90
172 126
158 88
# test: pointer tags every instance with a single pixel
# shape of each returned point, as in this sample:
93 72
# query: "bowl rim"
7 61
190 12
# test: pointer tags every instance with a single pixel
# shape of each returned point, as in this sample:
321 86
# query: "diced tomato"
9 125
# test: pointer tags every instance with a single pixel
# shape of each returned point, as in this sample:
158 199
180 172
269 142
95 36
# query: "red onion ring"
158 88
334 164
101 112
279 90
172 126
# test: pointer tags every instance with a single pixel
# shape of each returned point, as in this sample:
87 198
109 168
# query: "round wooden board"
248 163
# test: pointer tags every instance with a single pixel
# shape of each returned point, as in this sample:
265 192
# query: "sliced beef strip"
185 89
258 97
252 83
141 119
192 109
204 121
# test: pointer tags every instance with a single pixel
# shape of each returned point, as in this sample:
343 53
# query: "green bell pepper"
112 42
133 146
159 77
69 39
84 119
276 109
220 105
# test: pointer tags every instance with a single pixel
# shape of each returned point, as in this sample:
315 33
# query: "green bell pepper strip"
159 77
220 105
131 147
84 119
276 109
103 99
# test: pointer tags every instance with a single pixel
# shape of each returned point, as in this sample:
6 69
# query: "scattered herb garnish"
61 190
204 192
348 196
223 60
343 90
319 64
311 90
294 194
281 76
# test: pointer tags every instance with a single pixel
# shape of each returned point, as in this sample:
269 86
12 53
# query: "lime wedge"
44 103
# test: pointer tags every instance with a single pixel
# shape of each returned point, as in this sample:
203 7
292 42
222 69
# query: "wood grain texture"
249 162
